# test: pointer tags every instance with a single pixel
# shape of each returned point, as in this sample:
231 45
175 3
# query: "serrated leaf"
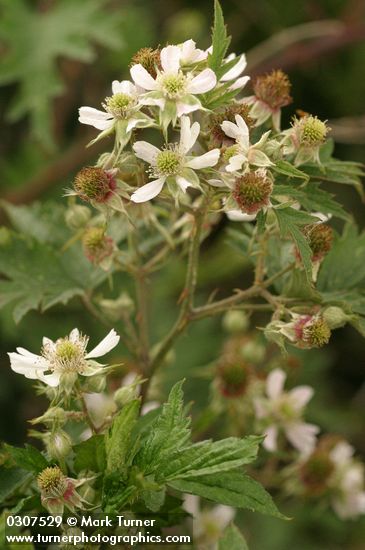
119 444
287 169
154 499
28 458
90 454
344 266
35 40
289 220
208 457
40 277
220 41
231 488
232 539
168 432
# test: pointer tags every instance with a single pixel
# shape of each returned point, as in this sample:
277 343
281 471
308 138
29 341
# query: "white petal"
186 108
236 70
149 406
189 134
236 162
217 183
342 453
239 83
275 383
32 367
191 54
203 82
146 151
269 442
52 379
231 129
204 161
302 436
47 342
124 87
158 101
222 515
93 117
108 343
142 77
148 191
170 59
183 183
300 396
238 216
74 335
258 158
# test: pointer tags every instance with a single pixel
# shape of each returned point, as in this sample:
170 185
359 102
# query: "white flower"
121 113
173 91
208 523
347 482
66 355
244 154
172 164
283 411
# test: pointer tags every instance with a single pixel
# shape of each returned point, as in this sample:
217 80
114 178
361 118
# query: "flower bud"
252 191
94 184
253 352
124 395
273 89
335 317
77 216
94 384
59 445
97 246
54 415
235 321
115 309
233 376
149 59
320 237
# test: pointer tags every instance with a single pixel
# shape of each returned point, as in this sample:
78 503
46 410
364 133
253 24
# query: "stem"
91 424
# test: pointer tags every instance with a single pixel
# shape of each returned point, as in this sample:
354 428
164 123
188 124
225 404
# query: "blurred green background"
57 55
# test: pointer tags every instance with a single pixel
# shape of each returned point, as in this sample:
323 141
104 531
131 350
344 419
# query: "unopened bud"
235 321
253 352
125 395
335 317
97 246
77 216
115 309
59 445
94 384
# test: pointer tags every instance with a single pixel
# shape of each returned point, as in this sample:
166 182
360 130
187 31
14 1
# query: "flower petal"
269 442
93 117
300 396
275 383
238 216
148 191
183 183
108 343
239 83
302 436
236 162
142 77
184 108
231 129
236 70
170 59
204 161
203 82
191 54
146 151
189 134
124 87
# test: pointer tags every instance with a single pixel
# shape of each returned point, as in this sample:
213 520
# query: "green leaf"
90 454
220 41
10 480
208 457
35 40
348 173
344 266
287 169
231 488
313 198
28 458
119 444
232 539
289 219
168 432
40 277
154 499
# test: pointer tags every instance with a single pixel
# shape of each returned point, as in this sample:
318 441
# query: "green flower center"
317 333
168 163
230 152
66 350
52 481
313 131
118 104
93 183
173 85
252 191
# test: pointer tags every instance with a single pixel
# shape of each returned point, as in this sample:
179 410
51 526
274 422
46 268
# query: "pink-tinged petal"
204 161
239 83
236 70
300 396
170 59
189 134
275 383
146 151
270 441
108 343
302 436
183 183
203 82
142 77
93 117
148 191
